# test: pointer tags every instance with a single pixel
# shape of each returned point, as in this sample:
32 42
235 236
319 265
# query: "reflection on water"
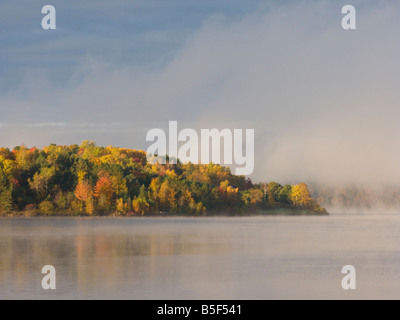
200 258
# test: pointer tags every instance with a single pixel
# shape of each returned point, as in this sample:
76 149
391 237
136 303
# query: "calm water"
201 258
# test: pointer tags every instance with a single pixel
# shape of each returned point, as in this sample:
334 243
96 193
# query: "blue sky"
324 102
120 32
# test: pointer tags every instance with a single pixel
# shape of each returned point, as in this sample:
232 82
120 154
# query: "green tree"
285 194
46 207
41 181
5 200
274 189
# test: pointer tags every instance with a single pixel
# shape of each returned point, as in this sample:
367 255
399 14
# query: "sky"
324 102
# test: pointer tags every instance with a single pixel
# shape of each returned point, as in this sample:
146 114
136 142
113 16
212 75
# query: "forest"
90 180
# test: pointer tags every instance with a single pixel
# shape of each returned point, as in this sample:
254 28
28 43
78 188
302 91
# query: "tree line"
91 180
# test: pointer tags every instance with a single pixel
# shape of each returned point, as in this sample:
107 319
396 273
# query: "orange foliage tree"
83 191
103 191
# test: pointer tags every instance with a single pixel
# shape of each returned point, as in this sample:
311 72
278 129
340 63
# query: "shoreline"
261 212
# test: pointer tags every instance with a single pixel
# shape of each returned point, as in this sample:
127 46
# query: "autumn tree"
140 204
284 195
154 192
185 199
252 197
6 168
167 196
229 194
273 189
5 200
23 157
103 191
121 206
41 181
7 154
301 197
84 193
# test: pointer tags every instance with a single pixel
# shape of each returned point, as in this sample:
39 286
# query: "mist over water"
201 258
353 198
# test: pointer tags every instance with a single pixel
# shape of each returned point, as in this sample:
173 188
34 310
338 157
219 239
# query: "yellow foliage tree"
300 196
140 205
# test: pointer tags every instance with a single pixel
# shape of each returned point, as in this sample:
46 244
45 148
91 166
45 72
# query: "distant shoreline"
88 180
261 212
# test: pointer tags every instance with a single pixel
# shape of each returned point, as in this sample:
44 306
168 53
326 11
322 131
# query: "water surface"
281 257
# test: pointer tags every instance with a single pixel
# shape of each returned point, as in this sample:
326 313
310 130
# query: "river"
262 257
